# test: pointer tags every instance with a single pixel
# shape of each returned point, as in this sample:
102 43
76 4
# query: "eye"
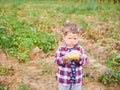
75 38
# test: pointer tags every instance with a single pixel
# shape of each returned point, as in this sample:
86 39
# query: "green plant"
22 37
5 70
22 25
113 61
110 76
113 74
87 74
91 5
83 22
115 34
3 87
45 40
46 68
22 86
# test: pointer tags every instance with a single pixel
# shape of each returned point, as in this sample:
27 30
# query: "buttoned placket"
72 72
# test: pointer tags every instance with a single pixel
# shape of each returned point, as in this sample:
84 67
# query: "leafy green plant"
46 68
113 74
3 87
115 34
23 26
83 22
110 76
22 37
5 70
87 74
113 61
22 86
91 4
3 31
45 40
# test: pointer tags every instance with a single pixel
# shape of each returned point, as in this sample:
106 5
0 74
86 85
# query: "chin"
71 46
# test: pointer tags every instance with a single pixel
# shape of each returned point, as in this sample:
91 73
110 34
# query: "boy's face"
71 39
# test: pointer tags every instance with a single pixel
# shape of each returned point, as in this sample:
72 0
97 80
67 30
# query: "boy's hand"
73 55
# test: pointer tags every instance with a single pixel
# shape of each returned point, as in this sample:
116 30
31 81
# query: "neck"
71 46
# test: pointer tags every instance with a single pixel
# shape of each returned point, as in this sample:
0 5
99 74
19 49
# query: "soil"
39 72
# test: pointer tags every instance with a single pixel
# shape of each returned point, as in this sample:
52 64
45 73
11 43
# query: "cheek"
76 41
66 40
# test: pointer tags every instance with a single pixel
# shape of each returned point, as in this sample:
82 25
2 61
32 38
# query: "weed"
25 24
46 68
113 61
19 42
83 22
22 86
5 70
3 87
113 74
110 76
87 74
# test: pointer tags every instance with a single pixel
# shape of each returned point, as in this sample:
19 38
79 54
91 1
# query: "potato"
73 55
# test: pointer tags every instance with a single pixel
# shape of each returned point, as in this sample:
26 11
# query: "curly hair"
70 27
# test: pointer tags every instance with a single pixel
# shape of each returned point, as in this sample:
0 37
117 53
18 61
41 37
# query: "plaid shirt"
63 73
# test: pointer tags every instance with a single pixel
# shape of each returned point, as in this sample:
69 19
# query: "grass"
5 70
28 23
3 87
113 61
22 86
112 75
46 67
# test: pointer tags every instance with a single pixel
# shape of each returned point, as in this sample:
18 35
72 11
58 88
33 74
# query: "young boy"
70 58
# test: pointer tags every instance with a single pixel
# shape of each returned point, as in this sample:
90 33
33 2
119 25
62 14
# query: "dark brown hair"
70 27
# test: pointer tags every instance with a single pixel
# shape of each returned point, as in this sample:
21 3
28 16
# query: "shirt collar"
68 48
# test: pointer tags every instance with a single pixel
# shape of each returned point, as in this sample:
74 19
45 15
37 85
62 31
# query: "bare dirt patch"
39 72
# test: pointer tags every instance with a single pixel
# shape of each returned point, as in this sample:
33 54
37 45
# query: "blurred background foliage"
25 24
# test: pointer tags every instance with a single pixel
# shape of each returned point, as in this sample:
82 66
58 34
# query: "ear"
62 37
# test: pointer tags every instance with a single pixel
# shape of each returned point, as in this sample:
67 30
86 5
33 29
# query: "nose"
72 40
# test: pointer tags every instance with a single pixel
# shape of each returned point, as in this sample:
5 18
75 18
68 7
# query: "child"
70 58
